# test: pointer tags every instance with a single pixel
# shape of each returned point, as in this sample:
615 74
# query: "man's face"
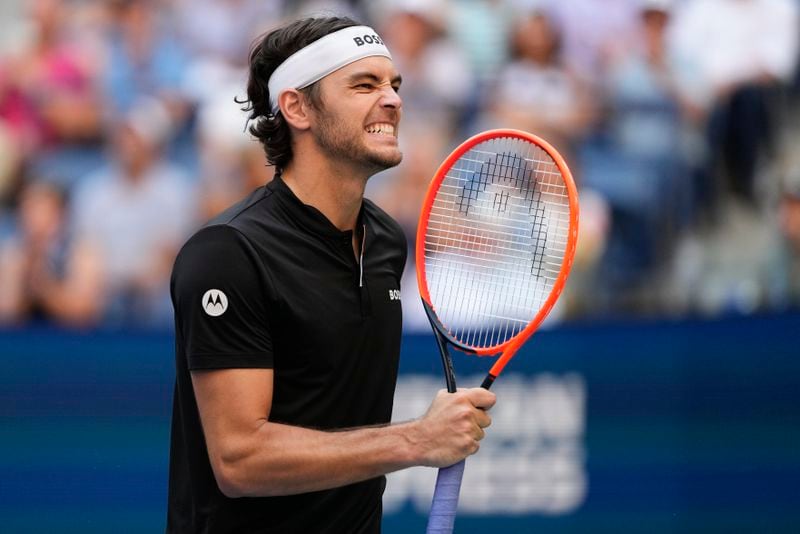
360 115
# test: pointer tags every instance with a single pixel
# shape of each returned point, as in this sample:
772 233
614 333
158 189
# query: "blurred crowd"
119 135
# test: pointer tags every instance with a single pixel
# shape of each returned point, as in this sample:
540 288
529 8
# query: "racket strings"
495 240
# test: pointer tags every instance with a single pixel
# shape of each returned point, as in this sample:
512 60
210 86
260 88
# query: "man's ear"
295 109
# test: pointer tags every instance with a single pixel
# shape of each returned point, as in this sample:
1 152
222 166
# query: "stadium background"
662 394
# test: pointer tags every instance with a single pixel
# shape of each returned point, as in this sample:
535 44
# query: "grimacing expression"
360 114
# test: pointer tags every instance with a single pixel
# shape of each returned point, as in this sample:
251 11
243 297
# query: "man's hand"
453 426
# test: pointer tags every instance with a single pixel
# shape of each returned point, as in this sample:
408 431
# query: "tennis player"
287 311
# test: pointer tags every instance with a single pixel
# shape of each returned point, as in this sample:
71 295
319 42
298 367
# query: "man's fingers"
480 397
483 419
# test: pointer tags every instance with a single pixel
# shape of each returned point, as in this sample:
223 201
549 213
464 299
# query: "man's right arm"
252 456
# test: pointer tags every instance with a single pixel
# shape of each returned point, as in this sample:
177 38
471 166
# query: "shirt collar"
308 216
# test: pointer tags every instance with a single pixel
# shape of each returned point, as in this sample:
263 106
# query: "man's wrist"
411 434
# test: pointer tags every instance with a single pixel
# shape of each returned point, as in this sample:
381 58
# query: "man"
287 311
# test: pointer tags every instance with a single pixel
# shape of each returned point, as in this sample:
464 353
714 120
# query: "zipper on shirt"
361 256
366 304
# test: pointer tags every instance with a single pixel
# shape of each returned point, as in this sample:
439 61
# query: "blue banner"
657 426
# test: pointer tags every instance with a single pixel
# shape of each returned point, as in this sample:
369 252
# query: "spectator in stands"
48 94
637 162
10 167
786 291
144 60
736 52
536 92
589 31
38 279
437 80
218 33
645 105
231 161
221 30
132 216
481 29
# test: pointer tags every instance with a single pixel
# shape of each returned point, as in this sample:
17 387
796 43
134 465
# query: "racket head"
504 201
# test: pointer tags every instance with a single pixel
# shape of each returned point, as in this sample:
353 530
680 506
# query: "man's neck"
336 190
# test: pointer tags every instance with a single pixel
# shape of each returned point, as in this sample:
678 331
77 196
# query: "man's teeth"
383 128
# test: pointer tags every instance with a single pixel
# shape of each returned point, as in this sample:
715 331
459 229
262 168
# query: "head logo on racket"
214 302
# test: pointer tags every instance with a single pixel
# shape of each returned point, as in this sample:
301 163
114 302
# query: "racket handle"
445 499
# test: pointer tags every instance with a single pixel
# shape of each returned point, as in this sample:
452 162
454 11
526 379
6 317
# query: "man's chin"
381 162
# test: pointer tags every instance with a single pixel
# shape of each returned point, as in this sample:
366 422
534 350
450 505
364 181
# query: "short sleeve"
221 296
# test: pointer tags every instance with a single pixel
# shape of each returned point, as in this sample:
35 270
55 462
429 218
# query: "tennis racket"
495 244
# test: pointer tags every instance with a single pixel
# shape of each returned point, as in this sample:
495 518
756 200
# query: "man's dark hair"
266 54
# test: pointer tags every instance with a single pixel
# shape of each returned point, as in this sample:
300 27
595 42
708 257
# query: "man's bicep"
233 404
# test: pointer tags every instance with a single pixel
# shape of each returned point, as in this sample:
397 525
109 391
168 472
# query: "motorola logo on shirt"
214 302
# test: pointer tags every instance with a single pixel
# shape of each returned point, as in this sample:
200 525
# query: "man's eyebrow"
357 76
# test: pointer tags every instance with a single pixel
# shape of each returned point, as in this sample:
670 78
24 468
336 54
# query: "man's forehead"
375 66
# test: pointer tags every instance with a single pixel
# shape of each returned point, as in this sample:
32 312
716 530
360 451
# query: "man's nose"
390 98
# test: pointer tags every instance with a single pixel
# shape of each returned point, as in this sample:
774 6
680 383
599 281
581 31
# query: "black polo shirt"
271 283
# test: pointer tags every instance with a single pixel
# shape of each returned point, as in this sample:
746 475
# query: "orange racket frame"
510 346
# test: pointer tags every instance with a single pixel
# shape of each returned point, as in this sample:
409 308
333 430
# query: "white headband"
322 57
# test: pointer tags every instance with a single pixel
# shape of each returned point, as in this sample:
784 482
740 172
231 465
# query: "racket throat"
447 364
441 342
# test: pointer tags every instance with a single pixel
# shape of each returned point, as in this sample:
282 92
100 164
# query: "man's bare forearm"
284 460
252 456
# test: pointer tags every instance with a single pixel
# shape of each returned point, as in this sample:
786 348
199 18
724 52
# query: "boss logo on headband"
367 39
